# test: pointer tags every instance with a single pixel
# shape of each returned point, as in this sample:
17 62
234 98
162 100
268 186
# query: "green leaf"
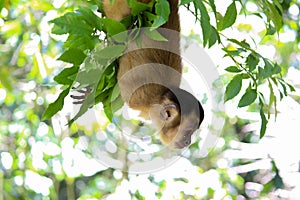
111 106
262 73
233 52
258 15
162 10
183 2
267 71
264 123
282 83
233 87
109 53
101 97
108 92
110 83
138 7
81 42
268 187
272 100
243 44
271 30
275 15
214 37
233 69
89 64
292 89
276 69
155 35
219 19
149 16
278 182
245 76
62 77
204 21
89 77
115 93
252 61
248 98
71 23
112 27
99 5
213 6
108 78
230 16
278 5
56 106
74 56
102 82
268 68
128 21
90 17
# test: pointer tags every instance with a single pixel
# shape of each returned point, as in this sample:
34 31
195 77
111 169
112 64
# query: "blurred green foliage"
45 160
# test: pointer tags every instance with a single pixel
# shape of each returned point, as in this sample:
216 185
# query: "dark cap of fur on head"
186 102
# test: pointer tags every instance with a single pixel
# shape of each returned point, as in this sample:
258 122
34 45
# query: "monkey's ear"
169 112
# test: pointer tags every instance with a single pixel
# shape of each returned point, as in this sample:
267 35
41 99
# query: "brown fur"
162 66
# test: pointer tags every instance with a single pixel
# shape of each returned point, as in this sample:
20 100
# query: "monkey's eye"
168 113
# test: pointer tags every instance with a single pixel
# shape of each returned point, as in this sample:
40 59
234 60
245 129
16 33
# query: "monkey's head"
178 116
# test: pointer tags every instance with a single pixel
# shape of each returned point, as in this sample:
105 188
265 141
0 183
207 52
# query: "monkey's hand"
79 99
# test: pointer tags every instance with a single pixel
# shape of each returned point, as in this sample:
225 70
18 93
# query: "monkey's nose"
187 141
184 143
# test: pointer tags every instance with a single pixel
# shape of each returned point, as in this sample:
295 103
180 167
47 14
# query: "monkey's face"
176 129
185 130
180 115
177 134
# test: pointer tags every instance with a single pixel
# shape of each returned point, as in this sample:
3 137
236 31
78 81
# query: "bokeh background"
47 160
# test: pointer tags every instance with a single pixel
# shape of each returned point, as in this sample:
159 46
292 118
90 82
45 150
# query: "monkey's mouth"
180 145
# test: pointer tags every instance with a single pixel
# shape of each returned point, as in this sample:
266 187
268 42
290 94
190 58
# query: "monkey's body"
146 75
146 95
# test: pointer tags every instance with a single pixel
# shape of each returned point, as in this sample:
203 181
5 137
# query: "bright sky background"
281 141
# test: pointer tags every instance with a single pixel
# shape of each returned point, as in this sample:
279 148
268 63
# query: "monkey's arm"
119 9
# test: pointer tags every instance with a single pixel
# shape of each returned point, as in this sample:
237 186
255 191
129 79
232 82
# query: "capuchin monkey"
149 79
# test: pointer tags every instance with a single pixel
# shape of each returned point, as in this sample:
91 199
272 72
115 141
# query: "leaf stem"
242 67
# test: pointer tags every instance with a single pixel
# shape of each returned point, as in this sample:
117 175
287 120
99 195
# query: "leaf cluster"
255 70
250 66
93 46
211 30
98 63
